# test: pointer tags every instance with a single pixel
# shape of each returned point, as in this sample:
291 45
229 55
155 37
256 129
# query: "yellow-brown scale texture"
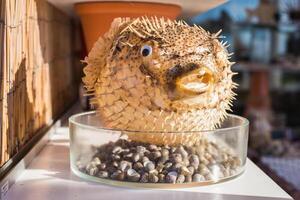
156 75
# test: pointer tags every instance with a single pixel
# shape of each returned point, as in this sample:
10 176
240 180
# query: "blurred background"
265 38
41 45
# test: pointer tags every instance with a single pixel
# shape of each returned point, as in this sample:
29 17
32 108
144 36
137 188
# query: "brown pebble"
152 147
198 178
184 170
168 165
125 165
140 149
103 174
111 169
132 175
173 149
191 169
118 175
144 178
117 149
93 171
177 158
136 157
188 178
96 161
171 177
153 178
102 166
128 156
182 151
80 166
163 159
138 166
116 157
161 178
180 179
145 159
115 164
149 166
155 155
186 162
165 152
160 167
194 161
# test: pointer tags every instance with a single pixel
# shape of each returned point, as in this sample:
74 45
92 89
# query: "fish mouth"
189 80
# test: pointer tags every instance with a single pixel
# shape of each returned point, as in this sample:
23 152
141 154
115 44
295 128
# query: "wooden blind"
36 68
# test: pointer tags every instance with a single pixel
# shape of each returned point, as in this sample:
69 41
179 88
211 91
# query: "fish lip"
184 81
178 70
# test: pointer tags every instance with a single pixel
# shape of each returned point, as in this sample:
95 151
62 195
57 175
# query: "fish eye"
146 50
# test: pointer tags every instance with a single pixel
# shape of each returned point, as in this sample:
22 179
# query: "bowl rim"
72 120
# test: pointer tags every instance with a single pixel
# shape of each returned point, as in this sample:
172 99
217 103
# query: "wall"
37 71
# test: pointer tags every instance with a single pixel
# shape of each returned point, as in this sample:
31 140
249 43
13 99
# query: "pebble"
136 157
128 156
80 166
125 151
160 167
154 172
155 155
102 166
161 178
96 161
103 174
208 177
204 171
93 171
198 178
125 165
116 149
140 149
194 161
171 177
144 178
184 170
145 159
149 166
115 164
138 162
177 157
152 147
191 169
188 178
116 157
168 165
132 175
186 162
180 179
138 166
183 152
89 166
111 169
153 178
177 167
172 149
163 159
165 152
118 175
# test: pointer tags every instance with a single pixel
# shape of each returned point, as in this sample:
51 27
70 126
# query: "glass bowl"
110 156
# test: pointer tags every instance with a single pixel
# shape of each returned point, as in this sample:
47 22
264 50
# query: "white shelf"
48 176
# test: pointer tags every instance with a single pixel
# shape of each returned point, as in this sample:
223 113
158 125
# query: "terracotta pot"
96 17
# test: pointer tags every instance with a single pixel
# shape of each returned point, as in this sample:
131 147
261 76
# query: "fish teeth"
196 86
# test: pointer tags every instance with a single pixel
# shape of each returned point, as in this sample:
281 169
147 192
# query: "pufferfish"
160 81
